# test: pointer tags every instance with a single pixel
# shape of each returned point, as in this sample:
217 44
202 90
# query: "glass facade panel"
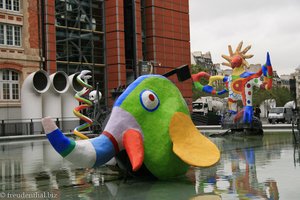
79 37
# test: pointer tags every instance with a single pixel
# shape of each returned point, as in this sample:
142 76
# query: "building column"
115 46
49 36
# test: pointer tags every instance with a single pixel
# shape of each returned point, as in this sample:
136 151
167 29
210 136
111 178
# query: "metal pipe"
69 120
33 86
52 98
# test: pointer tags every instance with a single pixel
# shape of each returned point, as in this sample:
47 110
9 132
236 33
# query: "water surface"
255 167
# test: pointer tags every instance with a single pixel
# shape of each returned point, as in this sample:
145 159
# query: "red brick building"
107 37
161 35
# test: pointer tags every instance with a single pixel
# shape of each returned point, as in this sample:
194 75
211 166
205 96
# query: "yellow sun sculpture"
240 83
237 59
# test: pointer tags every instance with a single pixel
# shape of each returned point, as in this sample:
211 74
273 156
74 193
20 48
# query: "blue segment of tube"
104 149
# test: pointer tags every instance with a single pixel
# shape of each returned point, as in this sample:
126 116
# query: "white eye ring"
149 100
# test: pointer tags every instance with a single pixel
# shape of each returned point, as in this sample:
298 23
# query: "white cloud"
268 25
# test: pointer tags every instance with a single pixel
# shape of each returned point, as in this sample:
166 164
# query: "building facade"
204 60
20 51
110 38
285 81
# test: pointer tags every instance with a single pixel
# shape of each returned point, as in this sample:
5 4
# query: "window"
16 5
13 5
2 34
9 85
8 5
17 35
10 35
6 92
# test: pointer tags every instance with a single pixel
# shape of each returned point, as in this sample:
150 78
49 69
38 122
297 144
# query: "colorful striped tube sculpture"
151 122
240 83
79 96
209 87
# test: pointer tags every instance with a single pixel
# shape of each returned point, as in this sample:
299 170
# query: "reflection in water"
236 177
250 168
297 154
241 181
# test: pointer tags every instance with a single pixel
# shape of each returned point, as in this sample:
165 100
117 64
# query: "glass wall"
130 40
80 38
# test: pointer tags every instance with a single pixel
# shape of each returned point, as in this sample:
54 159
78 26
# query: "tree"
197 68
280 94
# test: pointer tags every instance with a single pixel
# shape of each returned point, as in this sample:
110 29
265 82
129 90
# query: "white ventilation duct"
69 120
52 98
33 86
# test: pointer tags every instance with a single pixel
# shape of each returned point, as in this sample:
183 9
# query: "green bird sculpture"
151 122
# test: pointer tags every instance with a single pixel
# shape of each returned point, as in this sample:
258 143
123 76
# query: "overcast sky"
268 25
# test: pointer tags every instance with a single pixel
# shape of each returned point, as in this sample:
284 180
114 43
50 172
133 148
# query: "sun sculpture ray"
239 55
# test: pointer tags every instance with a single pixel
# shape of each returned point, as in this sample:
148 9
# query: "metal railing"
32 126
13 127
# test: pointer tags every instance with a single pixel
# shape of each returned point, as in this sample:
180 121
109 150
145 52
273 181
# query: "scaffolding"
80 38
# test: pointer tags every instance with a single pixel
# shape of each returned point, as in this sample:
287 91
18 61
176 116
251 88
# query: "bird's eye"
149 100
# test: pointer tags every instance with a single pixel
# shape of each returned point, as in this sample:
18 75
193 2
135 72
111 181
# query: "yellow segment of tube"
214 78
82 136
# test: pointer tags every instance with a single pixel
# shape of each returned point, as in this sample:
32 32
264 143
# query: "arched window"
9 85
